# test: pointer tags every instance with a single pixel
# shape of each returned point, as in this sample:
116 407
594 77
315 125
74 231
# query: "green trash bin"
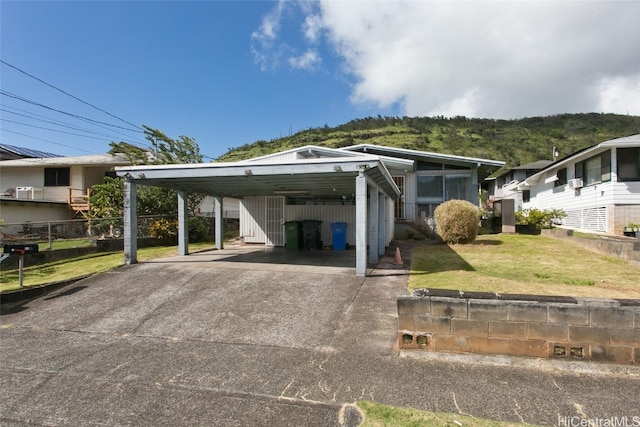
293 235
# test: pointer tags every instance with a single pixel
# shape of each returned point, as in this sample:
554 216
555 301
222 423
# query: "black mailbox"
29 248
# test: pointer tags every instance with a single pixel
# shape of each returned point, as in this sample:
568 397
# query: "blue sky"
229 73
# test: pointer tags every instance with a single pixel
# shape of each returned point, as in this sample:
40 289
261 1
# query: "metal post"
49 223
20 268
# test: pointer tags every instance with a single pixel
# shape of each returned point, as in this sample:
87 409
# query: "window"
458 187
562 178
526 196
595 169
56 177
430 187
628 164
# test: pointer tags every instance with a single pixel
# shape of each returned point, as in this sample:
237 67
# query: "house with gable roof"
505 184
597 187
365 187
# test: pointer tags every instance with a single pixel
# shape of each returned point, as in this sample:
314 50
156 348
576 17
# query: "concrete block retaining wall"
520 325
623 248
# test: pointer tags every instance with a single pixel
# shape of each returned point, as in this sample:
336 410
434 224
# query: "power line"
46 140
68 94
54 130
29 101
65 124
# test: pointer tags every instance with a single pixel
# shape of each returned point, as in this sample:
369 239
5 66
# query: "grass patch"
523 264
72 268
376 415
579 282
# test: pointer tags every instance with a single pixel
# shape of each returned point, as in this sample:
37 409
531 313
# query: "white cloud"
263 40
486 59
312 27
489 59
307 61
619 94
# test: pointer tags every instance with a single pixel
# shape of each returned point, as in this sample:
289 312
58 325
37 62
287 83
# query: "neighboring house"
11 152
504 185
231 208
598 187
51 188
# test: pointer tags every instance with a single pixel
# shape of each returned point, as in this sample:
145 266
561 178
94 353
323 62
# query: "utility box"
311 234
293 235
339 235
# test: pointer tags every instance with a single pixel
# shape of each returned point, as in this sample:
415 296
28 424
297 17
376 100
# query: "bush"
200 229
457 221
163 228
539 218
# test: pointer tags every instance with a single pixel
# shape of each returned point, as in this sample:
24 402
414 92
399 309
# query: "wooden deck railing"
78 199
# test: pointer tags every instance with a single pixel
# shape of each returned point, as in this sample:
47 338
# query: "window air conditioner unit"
575 183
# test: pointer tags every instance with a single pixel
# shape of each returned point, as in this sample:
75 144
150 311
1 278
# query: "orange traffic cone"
398 259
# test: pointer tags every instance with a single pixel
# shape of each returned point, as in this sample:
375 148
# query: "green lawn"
523 264
376 415
67 269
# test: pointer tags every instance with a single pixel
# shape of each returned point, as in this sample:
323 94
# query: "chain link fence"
62 234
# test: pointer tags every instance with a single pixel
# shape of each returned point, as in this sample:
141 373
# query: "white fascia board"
93 160
389 179
235 169
425 154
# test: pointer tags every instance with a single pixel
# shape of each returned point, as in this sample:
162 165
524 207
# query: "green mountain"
515 142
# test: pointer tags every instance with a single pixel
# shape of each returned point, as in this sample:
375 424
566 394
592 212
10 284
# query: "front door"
274 220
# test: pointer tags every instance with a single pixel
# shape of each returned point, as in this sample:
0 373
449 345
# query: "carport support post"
219 229
374 227
130 223
183 224
382 224
361 225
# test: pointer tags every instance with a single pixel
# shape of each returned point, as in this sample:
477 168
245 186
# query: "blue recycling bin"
339 234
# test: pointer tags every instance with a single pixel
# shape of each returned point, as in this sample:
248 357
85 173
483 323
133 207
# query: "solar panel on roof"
26 152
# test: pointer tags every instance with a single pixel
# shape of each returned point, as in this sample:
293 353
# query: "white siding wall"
252 220
328 214
586 208
10 178
34 177
252 217
410 195
590 208
283 157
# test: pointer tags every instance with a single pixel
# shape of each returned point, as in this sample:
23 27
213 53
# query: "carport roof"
312 176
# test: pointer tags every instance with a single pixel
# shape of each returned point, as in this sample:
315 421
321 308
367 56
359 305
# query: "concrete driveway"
251 336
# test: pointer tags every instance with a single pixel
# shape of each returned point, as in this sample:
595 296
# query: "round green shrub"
457 221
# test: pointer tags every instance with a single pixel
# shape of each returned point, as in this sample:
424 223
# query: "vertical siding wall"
252 219
328 214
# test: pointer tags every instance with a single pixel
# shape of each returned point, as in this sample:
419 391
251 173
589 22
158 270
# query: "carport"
316 171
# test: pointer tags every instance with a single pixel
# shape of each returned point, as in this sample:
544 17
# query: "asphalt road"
230 339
